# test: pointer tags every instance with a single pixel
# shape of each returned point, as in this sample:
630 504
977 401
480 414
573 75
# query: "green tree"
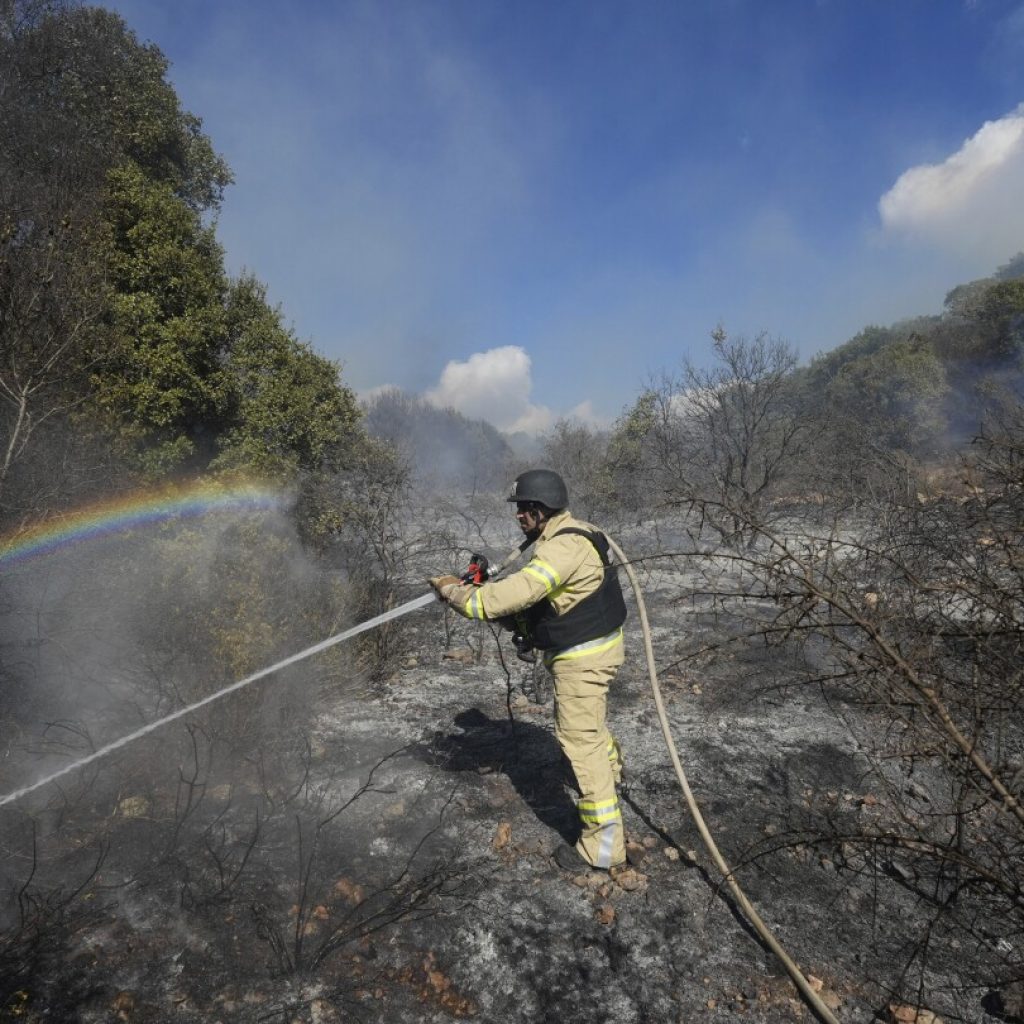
285 411
92 136
894 396
161 384
117 319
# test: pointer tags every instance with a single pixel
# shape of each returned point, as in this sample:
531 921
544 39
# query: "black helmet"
543 486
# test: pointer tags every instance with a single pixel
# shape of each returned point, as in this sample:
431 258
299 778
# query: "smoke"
494 385
969 203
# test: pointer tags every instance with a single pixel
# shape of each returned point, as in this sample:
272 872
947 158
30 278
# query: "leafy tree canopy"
117 318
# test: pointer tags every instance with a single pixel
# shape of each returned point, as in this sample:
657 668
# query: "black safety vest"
595 616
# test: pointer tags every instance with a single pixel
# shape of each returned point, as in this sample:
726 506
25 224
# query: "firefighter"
567 603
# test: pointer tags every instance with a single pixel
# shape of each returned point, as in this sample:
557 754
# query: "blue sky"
529 209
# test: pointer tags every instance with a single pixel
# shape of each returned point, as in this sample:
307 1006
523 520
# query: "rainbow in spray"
137 509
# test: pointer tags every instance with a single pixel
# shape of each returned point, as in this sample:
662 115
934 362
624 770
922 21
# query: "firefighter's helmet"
543 486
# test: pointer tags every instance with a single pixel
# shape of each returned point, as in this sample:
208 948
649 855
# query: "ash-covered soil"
407 876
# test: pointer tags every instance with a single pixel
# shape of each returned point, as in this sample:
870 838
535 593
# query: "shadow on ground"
526 754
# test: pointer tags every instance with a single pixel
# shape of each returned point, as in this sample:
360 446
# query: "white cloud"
971 202
496 386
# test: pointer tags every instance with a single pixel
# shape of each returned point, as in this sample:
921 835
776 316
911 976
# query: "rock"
671 853
902 1013
605 914
628 879
502 837
816 984
463 655
411 663
349 890
831 999
123 1004
133 807
635 853
322 1012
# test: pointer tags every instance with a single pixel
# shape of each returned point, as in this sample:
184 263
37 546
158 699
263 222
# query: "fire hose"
794 972
477 572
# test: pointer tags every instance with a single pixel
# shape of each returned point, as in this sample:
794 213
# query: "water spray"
323 645
109 748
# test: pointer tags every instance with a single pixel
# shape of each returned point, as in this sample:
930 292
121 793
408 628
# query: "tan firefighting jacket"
564 570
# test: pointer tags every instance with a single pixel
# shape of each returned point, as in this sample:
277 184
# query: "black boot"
568 858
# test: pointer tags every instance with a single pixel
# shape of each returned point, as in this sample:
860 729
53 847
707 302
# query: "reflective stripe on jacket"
563 571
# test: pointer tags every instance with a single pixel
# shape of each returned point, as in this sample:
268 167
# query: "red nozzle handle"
477 571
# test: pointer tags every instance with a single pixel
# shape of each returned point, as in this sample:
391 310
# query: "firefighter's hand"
444 586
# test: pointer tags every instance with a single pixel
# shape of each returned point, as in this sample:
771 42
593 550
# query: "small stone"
463 655
133 807
323 1013
671 853
816 984
349 890
635 853
629 880
123 1004
650 842
605 914
411 663
502 837
901 1013
831 999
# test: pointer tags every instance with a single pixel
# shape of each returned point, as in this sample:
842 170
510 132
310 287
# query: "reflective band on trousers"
604 816
544 572
599 812
602 643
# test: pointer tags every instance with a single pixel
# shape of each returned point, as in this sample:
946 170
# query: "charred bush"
910 618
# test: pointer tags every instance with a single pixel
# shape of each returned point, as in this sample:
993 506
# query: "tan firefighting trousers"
581 690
